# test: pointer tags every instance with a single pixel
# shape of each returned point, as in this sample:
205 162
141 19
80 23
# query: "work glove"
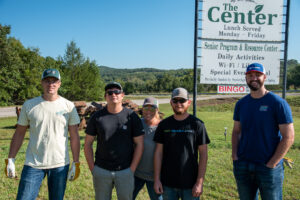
74 171
289 162
10 169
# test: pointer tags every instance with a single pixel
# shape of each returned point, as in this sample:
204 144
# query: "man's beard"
179 112
254 88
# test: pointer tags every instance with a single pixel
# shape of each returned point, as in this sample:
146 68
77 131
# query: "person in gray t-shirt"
144 172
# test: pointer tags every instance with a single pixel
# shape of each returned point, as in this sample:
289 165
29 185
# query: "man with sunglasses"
49 118
262 134
120 143
179 138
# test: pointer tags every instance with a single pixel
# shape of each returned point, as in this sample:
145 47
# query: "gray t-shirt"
145 168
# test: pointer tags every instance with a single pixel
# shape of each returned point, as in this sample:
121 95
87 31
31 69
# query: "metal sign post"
284 81
195 60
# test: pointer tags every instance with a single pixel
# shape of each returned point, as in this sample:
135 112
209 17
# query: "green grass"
219 183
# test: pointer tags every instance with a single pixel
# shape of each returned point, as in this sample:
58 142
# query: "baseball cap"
113 84
151 101
180 92
255 67
51 73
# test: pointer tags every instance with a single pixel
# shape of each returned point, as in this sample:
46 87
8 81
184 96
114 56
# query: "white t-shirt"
48 121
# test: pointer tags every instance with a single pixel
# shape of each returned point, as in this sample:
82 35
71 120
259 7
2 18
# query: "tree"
294 76
80 77
129 88
20 70
8 68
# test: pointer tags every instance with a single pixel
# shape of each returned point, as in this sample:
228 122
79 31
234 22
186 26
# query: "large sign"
236 33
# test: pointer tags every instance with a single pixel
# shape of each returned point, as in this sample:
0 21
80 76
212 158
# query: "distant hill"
145 80
138 74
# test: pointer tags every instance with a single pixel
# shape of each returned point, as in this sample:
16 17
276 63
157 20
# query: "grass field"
219 183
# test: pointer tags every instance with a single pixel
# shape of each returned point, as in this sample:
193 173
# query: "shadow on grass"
296 145
9 127
2 139
82 137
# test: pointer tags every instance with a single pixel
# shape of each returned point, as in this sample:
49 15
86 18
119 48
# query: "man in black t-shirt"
179 138
120 145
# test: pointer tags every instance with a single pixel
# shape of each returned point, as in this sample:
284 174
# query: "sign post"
286 48
195 60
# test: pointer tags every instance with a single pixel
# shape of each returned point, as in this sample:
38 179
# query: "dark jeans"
251 177
139 184
31 180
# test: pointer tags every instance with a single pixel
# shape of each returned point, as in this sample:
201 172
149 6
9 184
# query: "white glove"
10 169
74 171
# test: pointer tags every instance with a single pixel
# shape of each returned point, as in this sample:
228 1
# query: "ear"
189 102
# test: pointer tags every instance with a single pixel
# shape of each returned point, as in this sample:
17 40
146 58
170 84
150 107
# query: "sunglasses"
50 81
179 100
111 92
147 108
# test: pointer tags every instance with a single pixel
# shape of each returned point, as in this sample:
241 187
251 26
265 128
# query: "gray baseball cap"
180 93
51 73
151 101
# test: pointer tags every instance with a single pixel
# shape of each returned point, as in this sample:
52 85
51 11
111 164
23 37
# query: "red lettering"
235 89
242 89
221 88
229 88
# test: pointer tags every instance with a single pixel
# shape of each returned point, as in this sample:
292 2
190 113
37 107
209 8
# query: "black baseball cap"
113 85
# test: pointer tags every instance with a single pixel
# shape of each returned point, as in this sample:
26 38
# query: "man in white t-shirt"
49 117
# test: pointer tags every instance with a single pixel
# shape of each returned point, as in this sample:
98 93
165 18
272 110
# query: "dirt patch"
212 102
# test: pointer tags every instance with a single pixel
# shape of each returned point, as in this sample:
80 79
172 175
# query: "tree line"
83 79
21 69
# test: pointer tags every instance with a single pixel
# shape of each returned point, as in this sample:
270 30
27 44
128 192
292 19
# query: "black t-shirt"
115 134
180 140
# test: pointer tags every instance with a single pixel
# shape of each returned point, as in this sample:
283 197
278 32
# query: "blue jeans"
175 194
31 180
251 177
105 180
139 184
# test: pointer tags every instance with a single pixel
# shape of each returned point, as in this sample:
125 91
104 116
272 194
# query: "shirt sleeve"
202 137
158 136
74 118
23 118
284 113
138 128
236 116
91 126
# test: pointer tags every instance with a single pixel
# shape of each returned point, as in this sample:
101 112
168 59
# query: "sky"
117 33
